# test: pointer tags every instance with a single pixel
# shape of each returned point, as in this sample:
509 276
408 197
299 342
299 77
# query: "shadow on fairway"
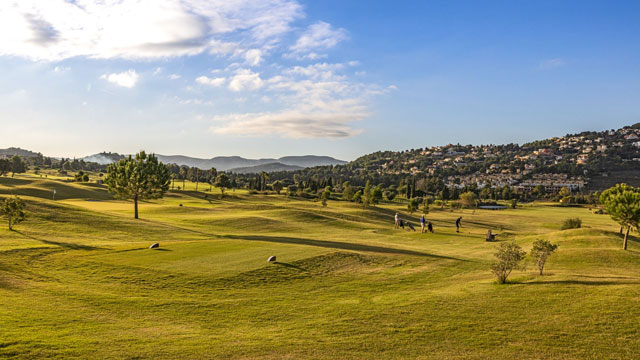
11 182
71 246
336 245
291 266
579 282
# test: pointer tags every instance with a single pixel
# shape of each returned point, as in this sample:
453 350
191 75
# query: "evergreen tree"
139 178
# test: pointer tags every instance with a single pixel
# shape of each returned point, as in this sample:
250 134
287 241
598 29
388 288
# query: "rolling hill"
234 163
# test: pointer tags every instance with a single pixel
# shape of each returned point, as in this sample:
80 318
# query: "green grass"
77 280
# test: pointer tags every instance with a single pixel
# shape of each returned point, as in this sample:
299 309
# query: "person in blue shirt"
423 221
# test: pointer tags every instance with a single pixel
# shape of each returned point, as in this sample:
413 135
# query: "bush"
541 250
571 223
508 257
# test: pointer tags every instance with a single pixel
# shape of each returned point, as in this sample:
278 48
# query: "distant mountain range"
235 164
271 167
240 164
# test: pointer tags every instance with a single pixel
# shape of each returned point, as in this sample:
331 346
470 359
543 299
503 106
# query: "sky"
271 78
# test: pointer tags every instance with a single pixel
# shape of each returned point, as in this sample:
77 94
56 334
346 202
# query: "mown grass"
77 280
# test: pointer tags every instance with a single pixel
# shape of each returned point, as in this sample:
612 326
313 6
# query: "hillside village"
567 161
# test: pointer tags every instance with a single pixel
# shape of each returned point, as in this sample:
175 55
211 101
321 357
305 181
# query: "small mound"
323 265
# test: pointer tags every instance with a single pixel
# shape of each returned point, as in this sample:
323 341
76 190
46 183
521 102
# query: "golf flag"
54 194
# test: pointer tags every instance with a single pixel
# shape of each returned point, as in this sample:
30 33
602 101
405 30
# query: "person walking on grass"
422 223
397 221
458 226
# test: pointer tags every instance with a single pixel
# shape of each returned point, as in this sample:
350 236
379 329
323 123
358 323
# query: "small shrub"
541 250
571 223
508 257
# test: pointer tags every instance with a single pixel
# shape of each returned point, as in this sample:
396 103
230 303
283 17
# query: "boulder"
271 259
154 245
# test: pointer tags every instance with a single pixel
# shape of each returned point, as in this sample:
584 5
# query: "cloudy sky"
268 78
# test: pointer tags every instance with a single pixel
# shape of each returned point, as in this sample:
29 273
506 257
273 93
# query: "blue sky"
271 78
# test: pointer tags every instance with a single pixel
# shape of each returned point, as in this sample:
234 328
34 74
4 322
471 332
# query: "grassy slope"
77 279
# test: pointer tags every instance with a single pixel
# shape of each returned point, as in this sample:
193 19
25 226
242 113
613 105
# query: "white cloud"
245 79
253 57
292 123
205 80
312 101
317 102
319 36
320 70
552 64
126 79
61 69
131 29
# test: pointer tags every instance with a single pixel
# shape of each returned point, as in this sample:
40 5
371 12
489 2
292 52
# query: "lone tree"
222 181
622 202
541 250
13 209
508 257
139 178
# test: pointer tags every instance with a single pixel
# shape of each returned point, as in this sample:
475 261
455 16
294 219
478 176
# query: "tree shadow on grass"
606 277
71 246
578 282
337 245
